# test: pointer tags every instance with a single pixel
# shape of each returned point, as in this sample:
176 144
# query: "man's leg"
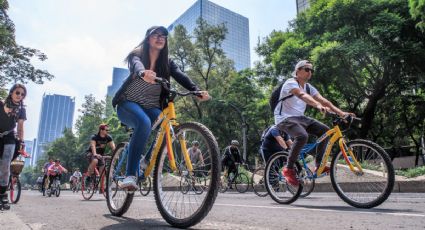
318 129
294 126
51 178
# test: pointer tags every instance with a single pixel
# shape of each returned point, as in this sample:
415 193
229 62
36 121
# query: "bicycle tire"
276 185
118 200
258 182
15 191
308 182
88 190
240 185
368 153
145 186
168 194
58 191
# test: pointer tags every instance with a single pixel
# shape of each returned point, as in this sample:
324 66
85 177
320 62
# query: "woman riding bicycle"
12 114
140 99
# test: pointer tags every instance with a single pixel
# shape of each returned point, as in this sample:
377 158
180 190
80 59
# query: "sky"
85 39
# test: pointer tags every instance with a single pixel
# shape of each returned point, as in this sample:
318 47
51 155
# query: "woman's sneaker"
129 183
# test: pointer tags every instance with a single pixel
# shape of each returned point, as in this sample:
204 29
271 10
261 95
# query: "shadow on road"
349 208
130 223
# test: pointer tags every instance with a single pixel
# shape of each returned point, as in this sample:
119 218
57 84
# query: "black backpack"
274 98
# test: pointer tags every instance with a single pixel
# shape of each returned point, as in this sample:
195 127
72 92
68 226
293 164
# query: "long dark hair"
142 51
9 101
14 87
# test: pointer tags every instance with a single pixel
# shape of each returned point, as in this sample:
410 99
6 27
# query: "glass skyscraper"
236 44
29 148
302 5
118 77
57 113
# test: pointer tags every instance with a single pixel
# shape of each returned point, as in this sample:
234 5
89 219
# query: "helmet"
235 142
57 160
103 126
196 143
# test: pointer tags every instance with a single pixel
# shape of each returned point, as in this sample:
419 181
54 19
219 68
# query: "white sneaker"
129 183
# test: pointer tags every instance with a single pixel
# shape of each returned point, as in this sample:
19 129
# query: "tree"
88 123
417 10
367 57
15 60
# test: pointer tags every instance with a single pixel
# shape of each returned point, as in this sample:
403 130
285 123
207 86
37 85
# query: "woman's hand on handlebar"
149 76
204 96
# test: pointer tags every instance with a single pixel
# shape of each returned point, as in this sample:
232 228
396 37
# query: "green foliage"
413 172
417 10
15 60
366 55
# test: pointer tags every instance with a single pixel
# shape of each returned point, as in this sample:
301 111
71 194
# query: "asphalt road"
231 211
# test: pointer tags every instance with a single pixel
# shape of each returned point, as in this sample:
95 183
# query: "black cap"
153 29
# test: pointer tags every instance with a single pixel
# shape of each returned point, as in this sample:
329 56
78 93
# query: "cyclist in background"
75 178
97 148
196 158
45 169
55 171
231 156
273 141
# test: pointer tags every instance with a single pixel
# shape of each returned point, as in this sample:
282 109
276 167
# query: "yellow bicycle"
361 171
180 205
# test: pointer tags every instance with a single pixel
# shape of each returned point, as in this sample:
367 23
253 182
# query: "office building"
118 77
29 148
57 113
302 5
236 44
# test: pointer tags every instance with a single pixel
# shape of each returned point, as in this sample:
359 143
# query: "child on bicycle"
55 171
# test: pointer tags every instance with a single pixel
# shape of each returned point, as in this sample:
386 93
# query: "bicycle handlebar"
165 84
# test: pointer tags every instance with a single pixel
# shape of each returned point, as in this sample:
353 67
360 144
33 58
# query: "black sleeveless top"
8 122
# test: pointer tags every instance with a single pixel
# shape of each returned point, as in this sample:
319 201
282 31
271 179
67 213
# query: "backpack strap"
291 95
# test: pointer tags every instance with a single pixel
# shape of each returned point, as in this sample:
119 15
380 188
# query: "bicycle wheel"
258 183
15 190
186 209
242 182
117 199
369 188
58 190
276 185
88 186
145 186
308 182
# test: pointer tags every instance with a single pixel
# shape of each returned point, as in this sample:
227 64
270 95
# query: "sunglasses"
107 130
19 93
308 70
159 36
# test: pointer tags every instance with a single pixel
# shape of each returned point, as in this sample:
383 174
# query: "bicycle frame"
166 120
335 135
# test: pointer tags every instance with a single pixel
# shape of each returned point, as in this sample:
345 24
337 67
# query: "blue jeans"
141 119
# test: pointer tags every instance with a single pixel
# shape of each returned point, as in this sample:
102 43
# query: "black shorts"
90 157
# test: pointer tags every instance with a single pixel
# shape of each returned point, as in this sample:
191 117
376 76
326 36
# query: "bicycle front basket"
16 167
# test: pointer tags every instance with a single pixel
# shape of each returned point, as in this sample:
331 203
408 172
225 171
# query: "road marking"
320 210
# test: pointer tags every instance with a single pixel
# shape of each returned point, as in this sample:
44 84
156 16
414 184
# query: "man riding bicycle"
289 116
75 178
231 156
97 148
196 157
55 171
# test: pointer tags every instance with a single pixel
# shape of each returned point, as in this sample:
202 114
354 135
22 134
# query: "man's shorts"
90 157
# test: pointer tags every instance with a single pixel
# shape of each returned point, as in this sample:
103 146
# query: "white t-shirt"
293 106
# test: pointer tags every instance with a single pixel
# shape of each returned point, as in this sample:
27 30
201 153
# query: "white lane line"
321 210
